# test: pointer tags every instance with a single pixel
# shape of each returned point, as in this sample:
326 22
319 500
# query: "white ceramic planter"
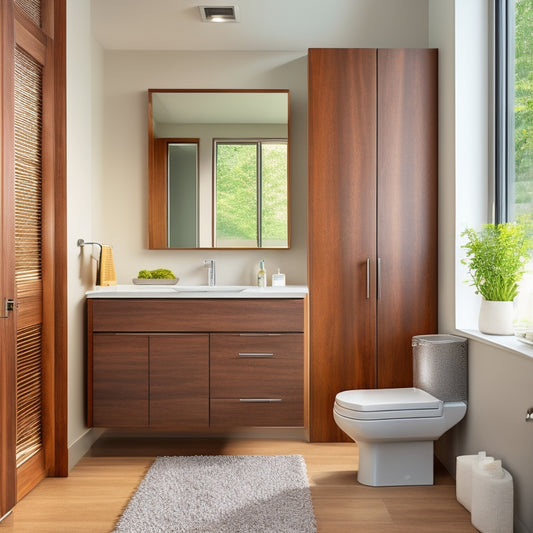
496 318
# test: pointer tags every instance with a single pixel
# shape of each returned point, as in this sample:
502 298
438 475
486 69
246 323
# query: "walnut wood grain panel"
157 191
233 413
341 228
198 315
179 382
30 473
257 366
120 381
54 24
89 367
407 207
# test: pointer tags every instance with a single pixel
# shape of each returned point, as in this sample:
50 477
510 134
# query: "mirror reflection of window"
251 196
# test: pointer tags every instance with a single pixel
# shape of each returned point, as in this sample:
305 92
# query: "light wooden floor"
94 495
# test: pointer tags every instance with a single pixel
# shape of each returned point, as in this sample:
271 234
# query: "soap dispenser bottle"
261 274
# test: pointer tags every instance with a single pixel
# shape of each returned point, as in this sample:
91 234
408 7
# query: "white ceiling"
289 25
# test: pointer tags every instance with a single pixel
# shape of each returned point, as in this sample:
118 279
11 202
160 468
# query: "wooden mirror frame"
157 177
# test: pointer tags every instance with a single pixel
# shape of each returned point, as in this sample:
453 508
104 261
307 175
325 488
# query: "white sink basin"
203 289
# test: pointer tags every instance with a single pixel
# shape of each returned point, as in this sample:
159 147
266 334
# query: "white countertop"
197 291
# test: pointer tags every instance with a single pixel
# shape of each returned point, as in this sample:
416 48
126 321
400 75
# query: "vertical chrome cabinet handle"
378 284
368 278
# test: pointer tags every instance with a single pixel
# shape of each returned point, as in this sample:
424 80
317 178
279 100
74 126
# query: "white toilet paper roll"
463 477
492 498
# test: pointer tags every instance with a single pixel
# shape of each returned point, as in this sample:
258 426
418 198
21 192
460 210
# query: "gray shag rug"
222 494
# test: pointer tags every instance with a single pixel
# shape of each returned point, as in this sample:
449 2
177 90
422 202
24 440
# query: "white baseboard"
81 446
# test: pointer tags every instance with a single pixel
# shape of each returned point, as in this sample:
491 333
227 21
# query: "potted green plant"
496 258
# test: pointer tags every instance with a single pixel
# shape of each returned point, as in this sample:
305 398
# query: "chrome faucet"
211 272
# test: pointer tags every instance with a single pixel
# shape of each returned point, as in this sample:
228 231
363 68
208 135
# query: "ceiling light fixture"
219 13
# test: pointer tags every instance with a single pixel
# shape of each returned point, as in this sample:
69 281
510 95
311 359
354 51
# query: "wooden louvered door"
32 238
31 345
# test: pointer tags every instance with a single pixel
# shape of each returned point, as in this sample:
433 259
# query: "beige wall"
84 66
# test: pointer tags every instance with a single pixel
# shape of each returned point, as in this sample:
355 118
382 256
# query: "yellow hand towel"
108 275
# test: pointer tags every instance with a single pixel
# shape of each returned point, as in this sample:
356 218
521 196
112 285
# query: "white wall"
83 87
500 381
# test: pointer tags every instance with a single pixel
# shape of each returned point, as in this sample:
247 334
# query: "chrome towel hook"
81 243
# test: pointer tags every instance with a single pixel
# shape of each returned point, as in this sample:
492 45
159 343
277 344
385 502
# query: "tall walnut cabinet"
372 219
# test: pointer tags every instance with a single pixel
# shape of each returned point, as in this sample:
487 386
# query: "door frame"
55 393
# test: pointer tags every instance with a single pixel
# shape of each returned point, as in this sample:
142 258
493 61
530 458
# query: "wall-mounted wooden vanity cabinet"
196 364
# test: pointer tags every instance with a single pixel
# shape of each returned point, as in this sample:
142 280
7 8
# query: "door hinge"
8 305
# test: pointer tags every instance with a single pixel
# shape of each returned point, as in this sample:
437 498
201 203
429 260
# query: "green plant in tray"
159 273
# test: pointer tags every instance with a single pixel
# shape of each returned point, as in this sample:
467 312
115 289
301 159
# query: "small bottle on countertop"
278 280
261 275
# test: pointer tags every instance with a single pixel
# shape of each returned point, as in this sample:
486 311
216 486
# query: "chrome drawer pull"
256 355
259 334
259 400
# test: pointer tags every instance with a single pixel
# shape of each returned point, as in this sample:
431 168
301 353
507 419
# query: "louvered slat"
32 8
29 433
28 264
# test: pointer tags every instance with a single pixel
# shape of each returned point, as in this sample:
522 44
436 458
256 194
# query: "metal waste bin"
440 366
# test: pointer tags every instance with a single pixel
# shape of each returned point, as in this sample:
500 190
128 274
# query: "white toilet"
395 428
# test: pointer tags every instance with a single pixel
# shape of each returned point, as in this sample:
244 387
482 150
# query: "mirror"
218 169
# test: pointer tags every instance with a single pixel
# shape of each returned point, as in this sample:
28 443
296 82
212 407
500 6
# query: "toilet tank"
440 366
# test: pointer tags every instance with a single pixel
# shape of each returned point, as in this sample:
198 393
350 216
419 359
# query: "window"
514 109
251 193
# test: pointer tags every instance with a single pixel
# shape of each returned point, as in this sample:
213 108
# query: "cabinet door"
341 228
407 208
120 381
179 381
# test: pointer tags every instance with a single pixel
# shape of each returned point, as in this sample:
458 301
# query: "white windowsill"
509 343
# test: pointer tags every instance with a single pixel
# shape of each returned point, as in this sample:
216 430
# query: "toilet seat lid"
404 399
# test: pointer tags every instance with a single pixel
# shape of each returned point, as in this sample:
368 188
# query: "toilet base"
386 464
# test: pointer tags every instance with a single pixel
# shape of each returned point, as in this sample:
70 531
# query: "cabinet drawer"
200 315
237 413
252 366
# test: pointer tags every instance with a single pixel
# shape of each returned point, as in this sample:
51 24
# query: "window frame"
503 109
